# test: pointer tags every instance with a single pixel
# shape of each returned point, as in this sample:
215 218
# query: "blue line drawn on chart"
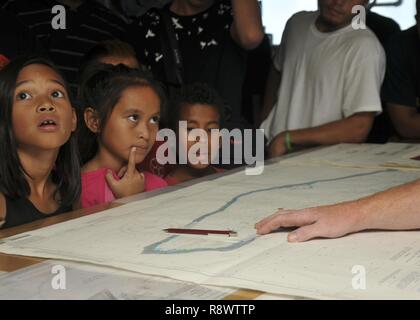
154 248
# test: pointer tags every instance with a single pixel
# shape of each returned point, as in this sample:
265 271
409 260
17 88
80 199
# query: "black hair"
101 89
13 184
195 93
104 49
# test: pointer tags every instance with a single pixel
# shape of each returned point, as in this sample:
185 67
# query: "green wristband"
288 141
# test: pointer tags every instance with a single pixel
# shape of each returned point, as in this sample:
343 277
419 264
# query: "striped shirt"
16 39
85 27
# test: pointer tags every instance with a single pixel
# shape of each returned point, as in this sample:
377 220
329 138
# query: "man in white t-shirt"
326 80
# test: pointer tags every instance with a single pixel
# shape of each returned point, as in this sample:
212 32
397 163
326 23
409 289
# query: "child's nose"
45 108
143 131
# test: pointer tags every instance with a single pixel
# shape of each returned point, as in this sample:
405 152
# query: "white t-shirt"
325 76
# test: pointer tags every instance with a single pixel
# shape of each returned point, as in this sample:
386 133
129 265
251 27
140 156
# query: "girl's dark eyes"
57 94
23 96
136 117
133 117
155 119
26 95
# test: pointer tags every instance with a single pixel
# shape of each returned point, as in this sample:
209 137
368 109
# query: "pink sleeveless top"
95 189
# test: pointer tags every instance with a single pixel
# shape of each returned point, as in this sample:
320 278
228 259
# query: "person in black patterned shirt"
212 38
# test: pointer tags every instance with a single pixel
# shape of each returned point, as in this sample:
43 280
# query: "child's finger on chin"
122 171
131 166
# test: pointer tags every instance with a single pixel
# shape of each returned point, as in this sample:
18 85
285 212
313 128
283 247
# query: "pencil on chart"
204 232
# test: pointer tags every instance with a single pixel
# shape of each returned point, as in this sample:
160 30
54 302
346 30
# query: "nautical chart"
131 237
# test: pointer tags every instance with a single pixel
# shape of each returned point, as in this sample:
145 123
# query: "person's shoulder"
303 16
300 21
364 41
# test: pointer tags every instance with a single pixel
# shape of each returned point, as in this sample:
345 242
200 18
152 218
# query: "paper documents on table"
63 280
395 155
130 237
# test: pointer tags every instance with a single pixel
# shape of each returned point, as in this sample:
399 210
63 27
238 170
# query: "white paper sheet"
84 282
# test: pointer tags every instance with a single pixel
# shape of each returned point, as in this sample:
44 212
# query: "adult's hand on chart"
320 222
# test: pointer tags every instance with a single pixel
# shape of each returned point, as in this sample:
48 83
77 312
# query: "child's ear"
92 120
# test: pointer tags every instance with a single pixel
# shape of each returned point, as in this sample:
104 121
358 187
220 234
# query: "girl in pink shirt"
121 111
